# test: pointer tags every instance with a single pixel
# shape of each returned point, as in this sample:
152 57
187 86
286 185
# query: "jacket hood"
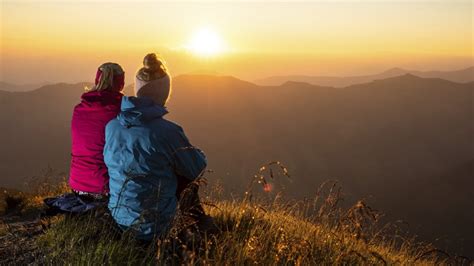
136 111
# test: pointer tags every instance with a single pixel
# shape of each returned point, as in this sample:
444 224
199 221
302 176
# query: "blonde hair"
106 79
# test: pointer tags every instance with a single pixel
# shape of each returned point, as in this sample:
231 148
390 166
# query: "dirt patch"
17 242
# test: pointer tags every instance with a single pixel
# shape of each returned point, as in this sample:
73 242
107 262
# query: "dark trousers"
188 197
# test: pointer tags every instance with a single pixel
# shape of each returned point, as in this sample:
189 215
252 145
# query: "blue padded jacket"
144 153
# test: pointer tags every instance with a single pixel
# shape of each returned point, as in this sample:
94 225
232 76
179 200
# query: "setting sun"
205 42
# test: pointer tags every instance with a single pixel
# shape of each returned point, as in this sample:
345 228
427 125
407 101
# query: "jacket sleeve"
188 161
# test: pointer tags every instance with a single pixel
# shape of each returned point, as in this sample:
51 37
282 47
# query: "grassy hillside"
256 229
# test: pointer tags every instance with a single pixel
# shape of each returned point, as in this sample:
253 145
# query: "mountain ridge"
219 80
7 86
465 75
460 76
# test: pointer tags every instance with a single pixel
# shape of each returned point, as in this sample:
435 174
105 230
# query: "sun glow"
205 42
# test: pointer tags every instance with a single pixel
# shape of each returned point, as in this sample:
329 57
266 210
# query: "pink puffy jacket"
88 172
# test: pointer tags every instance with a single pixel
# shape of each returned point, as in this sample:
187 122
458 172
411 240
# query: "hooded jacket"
88 172
144 154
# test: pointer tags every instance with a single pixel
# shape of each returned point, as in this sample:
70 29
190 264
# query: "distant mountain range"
461 76
5 86
405 143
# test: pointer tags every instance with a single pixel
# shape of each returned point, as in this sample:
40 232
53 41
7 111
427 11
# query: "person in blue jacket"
149 159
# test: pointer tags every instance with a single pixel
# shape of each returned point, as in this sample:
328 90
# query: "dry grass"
256 229
250 234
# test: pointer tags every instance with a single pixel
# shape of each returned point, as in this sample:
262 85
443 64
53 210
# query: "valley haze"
403 143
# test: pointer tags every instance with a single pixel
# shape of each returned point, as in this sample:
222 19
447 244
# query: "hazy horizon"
255 81
63 41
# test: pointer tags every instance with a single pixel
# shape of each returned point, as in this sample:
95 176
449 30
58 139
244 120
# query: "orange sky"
67 40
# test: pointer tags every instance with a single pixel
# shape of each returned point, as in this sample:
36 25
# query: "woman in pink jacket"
99 105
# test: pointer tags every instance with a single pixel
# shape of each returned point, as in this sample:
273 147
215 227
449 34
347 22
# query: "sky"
52 41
